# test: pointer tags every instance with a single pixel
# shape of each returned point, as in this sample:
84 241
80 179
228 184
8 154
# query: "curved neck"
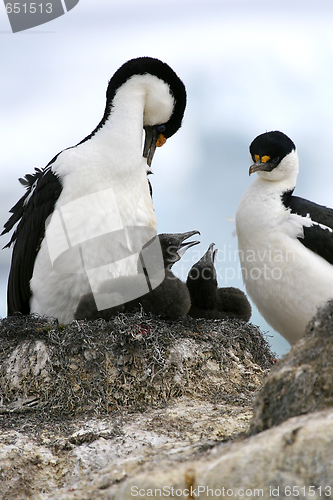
123 129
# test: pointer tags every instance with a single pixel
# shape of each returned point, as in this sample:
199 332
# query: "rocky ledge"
139 407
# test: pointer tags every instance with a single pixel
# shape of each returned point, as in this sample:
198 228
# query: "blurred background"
249 66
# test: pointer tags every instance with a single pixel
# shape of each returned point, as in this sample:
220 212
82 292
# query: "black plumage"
319 236
152 66
170 299
44 187
285 243
30 212
207 300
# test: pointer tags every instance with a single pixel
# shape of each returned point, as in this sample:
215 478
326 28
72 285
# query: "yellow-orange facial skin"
265 159
160 140
259 163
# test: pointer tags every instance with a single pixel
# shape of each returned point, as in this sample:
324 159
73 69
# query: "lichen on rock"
132 360
301 382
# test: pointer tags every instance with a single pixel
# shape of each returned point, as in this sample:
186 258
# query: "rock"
132 360
44 458
141 408
294 459
301 382
298 453
127 395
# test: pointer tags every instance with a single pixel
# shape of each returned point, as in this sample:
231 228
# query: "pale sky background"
248 66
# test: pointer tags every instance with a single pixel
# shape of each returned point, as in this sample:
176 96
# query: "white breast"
104 214
286 281
89 238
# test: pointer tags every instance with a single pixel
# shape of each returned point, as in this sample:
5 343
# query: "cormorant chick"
207 300
170 299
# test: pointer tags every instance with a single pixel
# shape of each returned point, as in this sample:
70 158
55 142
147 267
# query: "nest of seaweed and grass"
134 360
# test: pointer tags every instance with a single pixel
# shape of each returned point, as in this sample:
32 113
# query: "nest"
134 361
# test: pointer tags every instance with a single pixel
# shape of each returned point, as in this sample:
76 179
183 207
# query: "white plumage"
286 279
104 213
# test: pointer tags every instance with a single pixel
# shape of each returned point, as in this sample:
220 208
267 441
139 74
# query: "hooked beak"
183 245
205 265
210 255
260 166
174 245
153 139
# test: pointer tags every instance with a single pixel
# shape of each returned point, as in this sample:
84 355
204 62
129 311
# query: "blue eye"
161 128
276 160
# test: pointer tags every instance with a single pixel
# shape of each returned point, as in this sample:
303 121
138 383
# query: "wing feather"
318 237
29 213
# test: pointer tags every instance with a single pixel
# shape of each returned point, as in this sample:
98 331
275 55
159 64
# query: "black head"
152 66
202 281
174 246
204 269
171 248
268 149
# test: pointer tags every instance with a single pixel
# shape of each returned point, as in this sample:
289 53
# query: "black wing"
30 212
316 238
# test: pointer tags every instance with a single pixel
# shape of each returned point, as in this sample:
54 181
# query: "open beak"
210 255
207 263
153 139
183 245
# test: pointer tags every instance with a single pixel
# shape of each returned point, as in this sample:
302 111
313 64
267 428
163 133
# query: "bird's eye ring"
161 128
276 160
